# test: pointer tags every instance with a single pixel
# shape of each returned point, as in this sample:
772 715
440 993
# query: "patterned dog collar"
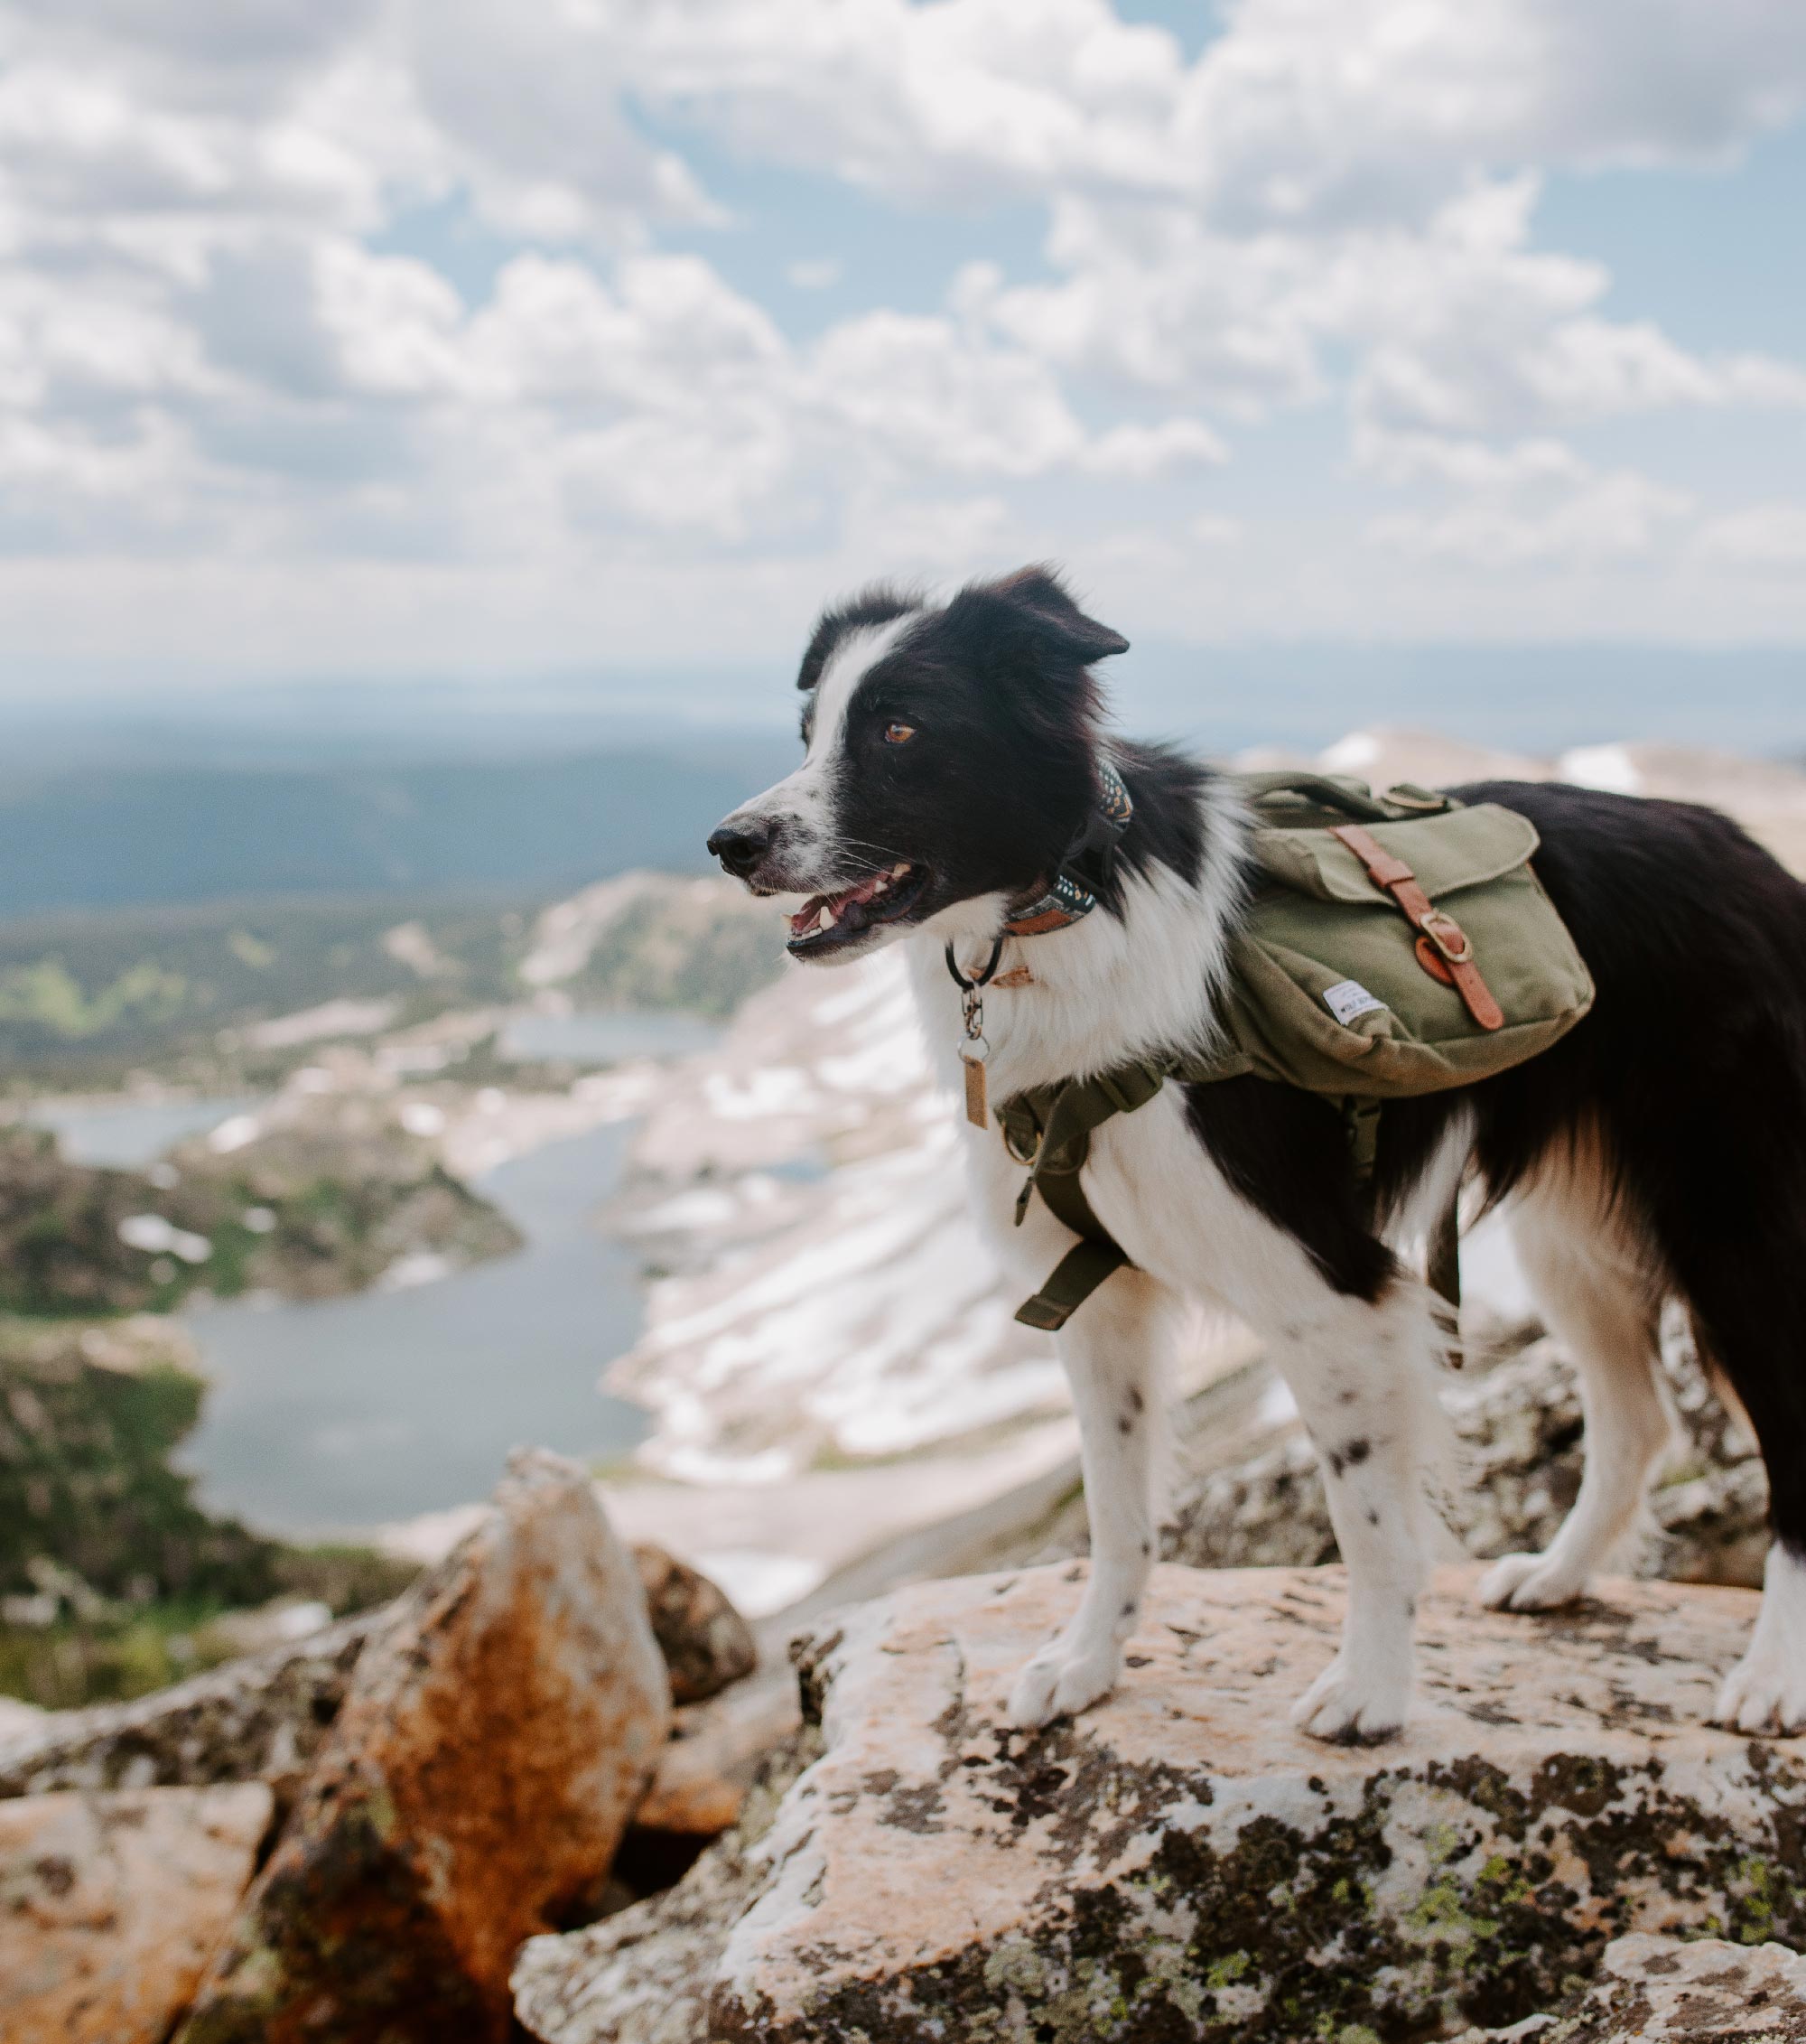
1071 894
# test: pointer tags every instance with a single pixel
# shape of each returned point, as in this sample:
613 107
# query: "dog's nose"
740 843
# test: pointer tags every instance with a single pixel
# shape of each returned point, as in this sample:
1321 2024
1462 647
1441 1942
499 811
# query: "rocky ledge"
1179 1862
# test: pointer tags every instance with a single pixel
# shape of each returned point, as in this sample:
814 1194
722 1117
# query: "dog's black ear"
1033 604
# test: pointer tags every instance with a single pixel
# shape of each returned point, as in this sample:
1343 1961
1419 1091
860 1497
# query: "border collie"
1659 1148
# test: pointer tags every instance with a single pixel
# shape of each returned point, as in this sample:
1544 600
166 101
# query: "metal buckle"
1433 925
1016 1148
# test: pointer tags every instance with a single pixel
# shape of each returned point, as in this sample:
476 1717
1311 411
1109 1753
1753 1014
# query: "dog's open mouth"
828 923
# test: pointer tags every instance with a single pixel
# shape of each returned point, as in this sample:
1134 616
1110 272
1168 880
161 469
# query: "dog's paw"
1528 1583
1061 1680
1347 1711
1764 1694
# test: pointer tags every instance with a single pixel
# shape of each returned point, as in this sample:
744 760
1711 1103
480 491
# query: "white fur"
1766 1691
1591 1278
1105 992
805 799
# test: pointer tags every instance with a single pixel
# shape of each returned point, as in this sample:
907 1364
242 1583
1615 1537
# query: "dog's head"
949 758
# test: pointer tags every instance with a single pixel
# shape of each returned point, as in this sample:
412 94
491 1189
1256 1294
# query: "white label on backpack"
1348 998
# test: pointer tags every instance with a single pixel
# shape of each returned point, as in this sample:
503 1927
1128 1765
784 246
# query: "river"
331 1416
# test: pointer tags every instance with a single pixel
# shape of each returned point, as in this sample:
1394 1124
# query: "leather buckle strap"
1451 943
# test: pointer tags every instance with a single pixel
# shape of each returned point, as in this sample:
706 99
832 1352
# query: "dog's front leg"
1363 1377
1115 1352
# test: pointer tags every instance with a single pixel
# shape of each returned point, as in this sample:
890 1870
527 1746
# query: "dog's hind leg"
1115 1352
1592 1280
1749 1304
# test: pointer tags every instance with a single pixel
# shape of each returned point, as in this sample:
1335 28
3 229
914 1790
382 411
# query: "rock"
688 1796
255 1720
20 1721
1519 1428
706 1642
1180 1862
715 1753
1669 1993
498 1730
114 1904
262 1718
644 1976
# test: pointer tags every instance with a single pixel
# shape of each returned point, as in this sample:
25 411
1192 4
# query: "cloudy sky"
363 337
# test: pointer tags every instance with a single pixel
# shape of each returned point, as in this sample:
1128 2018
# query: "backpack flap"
1328 990
1463 848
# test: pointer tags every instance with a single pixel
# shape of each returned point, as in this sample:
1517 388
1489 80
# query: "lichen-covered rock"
1181 1863
500 1728
111 1906
260 1719
1660 1991
706 1642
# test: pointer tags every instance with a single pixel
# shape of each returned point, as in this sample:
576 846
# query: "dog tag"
977 1109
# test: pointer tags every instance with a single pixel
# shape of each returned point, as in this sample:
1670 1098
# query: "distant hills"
110 838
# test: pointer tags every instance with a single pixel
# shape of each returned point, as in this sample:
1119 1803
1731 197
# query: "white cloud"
1765 535
1347 110
1141 453
1608 518
216 347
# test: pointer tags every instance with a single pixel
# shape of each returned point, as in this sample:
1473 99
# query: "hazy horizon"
1536 698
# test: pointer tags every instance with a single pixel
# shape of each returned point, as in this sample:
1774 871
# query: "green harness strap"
1049 1129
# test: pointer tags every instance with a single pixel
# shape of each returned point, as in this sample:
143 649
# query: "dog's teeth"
899 869
827 919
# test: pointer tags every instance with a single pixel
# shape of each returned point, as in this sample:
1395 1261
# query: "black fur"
1689 1077
999 775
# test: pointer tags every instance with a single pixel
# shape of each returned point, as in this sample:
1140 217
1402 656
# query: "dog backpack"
1393 945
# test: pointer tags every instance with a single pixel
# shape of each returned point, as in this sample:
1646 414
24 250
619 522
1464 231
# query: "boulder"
262 1717
715 1753
645 1975
1518 1433
706 1642
1180 1862
498 1730
1669 1993
255 1720
114 1904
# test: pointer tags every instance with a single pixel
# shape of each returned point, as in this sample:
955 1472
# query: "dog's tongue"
841 904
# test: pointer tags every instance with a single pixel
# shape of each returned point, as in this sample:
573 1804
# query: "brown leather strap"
1434 926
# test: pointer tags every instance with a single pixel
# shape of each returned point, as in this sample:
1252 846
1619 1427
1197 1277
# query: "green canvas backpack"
1394 945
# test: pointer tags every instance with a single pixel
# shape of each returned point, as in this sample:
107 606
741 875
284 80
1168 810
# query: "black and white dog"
952 751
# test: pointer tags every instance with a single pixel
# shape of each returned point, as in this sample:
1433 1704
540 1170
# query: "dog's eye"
896 734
